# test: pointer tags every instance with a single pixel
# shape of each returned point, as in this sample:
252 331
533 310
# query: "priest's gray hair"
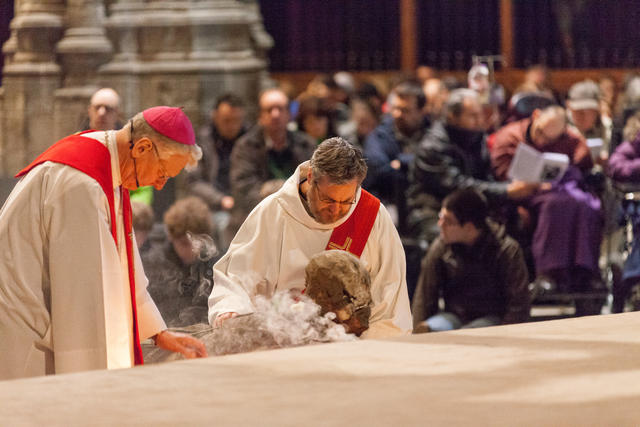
339 161
169 147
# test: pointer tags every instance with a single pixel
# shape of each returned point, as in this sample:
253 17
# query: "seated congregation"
480 246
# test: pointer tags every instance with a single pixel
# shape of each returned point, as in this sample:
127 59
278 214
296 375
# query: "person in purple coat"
567 219
624 168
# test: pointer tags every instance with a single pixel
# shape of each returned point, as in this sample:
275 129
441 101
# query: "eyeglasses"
270 108
107 108
162 170
329 201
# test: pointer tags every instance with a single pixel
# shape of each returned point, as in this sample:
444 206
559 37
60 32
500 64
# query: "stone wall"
180 53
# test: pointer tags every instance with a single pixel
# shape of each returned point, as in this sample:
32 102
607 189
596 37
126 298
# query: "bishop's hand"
184 344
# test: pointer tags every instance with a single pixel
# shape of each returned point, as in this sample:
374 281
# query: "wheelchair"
590 299
625 271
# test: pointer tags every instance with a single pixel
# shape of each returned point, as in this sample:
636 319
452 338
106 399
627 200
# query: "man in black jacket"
478 270
268 151
451 156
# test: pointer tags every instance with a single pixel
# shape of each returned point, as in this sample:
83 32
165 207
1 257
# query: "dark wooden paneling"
408 31
329 35
506 33
577 34
451 31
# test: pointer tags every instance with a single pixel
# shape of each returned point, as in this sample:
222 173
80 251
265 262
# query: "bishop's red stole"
92 158
352 235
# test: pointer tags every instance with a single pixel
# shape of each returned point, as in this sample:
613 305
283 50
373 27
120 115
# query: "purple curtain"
450 32
577 33
329 35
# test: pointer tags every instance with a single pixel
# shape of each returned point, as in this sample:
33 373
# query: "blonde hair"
631 128
189 214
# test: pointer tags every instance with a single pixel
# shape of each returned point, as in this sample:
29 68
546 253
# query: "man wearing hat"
72 288
583 108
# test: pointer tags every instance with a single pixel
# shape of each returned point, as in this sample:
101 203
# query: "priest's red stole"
352 235
92 158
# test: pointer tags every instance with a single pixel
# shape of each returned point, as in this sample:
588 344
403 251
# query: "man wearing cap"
583 108
72 288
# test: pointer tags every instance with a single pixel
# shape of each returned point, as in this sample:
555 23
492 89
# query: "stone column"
262 41
82 50
223 46
182 53
31 76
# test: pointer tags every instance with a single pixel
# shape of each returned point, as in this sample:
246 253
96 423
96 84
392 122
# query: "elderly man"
104 110
320 207
73 288
104 114
267 151
478 270
454 155
568 229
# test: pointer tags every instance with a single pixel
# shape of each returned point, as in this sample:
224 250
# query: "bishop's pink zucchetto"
171 122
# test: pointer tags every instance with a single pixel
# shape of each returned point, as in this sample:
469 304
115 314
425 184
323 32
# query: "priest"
72 288
320 207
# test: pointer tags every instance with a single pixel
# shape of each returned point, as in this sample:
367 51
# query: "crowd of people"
416 179
426 136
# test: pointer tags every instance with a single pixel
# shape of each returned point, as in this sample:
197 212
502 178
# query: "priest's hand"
184 344
222 317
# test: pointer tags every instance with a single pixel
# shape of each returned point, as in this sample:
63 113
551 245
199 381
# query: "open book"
530 165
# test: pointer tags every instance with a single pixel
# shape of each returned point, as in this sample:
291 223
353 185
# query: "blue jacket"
380 148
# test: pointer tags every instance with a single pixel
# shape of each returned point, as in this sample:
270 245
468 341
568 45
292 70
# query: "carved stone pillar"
182 52
153 52
82 50
31 76
84 46
262 41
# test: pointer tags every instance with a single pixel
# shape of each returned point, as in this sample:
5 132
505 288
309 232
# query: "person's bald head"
274 111
104 109
547 125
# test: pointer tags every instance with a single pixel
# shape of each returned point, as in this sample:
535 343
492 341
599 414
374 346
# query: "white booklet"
531 165
595 146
